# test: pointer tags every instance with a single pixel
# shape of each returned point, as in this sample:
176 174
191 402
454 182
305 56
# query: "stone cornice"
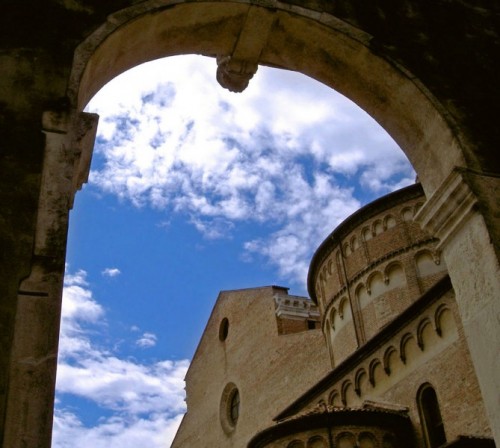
355 220
448 209
366 350
335 418
355 278
295 307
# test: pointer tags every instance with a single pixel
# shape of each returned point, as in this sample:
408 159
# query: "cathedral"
375 359
406 350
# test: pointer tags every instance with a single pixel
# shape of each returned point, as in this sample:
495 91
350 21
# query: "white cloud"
281 153
147 340
213 228
111 272
146 401
125 385
289 248
79 309
117 432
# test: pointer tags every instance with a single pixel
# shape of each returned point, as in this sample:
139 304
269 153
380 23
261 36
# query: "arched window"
229 410
430 416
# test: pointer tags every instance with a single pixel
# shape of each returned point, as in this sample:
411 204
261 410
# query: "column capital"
84 138
449 208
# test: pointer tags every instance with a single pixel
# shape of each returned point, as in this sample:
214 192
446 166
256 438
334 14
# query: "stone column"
69 140
464 214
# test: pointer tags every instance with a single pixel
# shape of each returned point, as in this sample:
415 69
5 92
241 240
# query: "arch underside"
318 46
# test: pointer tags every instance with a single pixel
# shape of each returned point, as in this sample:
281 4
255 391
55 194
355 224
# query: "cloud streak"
147 340
111 272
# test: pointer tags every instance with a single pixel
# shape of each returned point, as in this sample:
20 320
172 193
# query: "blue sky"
194 190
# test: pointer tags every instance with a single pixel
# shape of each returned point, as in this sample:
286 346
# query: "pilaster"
32 372
463 214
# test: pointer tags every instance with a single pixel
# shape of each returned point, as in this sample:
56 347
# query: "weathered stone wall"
289 326
377 264
362 436
431 348
268 369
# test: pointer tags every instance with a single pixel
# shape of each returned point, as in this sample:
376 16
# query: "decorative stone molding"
234 71
85 133
228 424
69 140
448 209
295 307
234 75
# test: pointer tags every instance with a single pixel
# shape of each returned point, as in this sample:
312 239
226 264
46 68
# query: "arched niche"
295 444
354 243
426 264
378 227
426 335
360 381
348 393
376 284
367 440
408 348
346 440
367 234
390 360
376 372
347 249
407 214
316 442
334 399
320 46
389 222
394 276
362 295
444 322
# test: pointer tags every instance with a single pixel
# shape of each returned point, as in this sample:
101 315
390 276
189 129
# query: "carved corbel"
234 75
84 138
436 256
235 70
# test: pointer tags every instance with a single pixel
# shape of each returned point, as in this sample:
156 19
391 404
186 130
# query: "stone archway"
342 57
319 46
318 40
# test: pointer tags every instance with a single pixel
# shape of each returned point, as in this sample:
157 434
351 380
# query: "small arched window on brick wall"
430 417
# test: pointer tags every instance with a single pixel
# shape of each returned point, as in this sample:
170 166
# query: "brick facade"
388 314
